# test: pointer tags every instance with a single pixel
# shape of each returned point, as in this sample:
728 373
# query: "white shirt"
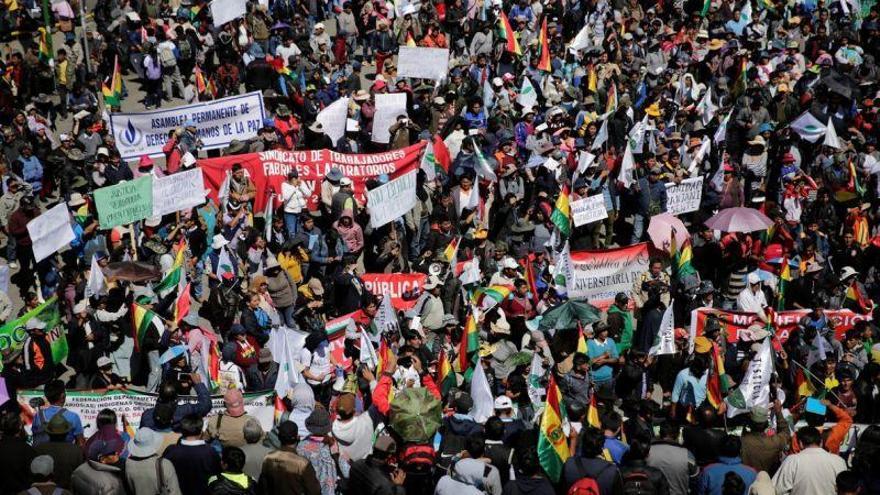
294 198
752 302
810 472
285 52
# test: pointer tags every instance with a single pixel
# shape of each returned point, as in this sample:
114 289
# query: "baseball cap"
43 465
503 402
759 414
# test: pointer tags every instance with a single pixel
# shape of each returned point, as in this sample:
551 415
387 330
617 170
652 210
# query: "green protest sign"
14 333
125 203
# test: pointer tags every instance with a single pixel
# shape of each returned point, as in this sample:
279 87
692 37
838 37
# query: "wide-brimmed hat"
847 272
318 423
334 175
76 199
361 95
282 111
146 442
218 241
58 425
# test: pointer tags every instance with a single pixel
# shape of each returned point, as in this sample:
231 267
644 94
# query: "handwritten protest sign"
388 108
684 197
588 210
421 62
179 191
125 203
392 200
333 118
597 276
50 231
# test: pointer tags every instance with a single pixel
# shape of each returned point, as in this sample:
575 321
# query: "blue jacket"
712 478
201 408
32 172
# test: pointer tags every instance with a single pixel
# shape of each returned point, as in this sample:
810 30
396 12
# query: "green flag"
14 333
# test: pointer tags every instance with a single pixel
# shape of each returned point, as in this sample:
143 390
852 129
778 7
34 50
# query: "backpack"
167 58
638 482
587 485
38 432
185 49
417 460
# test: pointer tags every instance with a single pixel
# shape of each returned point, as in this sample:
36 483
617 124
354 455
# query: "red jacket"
383 388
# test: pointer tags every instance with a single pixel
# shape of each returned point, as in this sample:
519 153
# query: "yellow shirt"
62 73
292 265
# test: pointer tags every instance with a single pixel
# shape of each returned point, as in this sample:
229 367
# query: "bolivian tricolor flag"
141 319
113 91
593 413
451 249
784 280
201 85
561 216
45 49
507 34
611 102
410 42
582 342
445 375
470 341
544 46
176 273
552 443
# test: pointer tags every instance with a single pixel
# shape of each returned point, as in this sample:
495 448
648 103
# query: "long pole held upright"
85 41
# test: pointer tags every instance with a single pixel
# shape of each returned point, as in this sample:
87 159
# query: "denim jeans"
638 228
155 371
291 223
287 316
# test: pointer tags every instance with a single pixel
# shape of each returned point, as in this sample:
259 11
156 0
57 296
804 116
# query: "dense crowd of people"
486 377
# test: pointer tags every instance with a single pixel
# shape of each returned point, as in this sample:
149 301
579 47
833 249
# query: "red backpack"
584 486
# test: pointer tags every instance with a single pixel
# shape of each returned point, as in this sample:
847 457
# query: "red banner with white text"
394 285
268 169
733 322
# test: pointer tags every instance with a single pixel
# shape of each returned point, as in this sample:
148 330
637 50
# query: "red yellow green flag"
784 280
470 342
113 91
410 42
593 413
506 33
552 443
561 216
452 249
582 342
445 375
45 49
544 46
141 319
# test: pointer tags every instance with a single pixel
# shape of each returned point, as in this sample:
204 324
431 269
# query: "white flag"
97 284
483 168
721 133
527 98
536 372
286 344
471 273
368 352
745 13
268 217
627 168
481 393
601 136
562 269
224 264
582 40
706 108
385 320
488 96
429 162
755 385
223 193
701 154
665 342
831 138
585 159
808 127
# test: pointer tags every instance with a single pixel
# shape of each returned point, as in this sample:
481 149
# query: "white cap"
754 278
218 241
503 402
79 307
345 181
103 151
847 272
104 361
